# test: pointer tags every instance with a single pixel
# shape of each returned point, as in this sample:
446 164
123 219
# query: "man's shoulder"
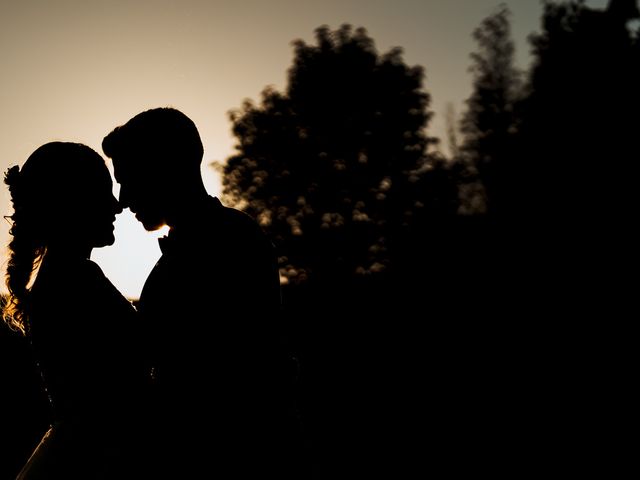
237 221
239 218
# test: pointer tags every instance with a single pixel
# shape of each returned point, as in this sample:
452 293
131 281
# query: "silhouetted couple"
195 383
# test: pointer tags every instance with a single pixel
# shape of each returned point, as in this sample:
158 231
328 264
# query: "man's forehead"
126 161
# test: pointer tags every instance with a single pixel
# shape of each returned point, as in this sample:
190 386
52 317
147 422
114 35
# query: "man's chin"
152 226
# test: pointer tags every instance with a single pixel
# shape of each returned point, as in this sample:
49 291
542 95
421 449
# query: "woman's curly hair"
25 251
39 190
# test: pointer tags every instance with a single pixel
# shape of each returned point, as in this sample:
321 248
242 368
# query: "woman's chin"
105 241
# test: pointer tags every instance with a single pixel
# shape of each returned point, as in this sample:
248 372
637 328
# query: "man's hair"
165 135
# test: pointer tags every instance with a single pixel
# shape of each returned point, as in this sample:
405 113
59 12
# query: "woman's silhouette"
82 330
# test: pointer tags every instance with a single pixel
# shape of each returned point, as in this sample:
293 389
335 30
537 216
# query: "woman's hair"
39 190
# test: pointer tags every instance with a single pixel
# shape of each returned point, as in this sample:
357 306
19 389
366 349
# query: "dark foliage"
562 192
579 115
336 167
490 121
338 170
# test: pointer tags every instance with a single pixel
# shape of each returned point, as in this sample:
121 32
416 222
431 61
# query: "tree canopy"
490 120
336 167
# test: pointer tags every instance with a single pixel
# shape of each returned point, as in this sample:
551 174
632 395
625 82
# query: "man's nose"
117 206
123 199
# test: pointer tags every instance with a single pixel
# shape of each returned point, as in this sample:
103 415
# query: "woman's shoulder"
77 276
103 287
80 281
91 268
56 276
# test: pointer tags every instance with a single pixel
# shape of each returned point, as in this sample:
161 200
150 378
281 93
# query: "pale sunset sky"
72 70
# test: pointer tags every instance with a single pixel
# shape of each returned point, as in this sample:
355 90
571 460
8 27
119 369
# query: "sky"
72 70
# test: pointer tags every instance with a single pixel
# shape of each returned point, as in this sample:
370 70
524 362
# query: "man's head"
156 159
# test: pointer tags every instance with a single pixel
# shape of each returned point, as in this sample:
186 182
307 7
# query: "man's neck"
188 209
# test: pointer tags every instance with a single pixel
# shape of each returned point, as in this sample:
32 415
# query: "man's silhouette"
210 304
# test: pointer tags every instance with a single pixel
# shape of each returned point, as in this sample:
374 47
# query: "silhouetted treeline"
336 167
496 259
555 150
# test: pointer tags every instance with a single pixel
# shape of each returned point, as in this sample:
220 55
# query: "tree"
490 121
334 167
578 119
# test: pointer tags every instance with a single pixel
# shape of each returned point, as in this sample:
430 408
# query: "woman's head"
62 198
